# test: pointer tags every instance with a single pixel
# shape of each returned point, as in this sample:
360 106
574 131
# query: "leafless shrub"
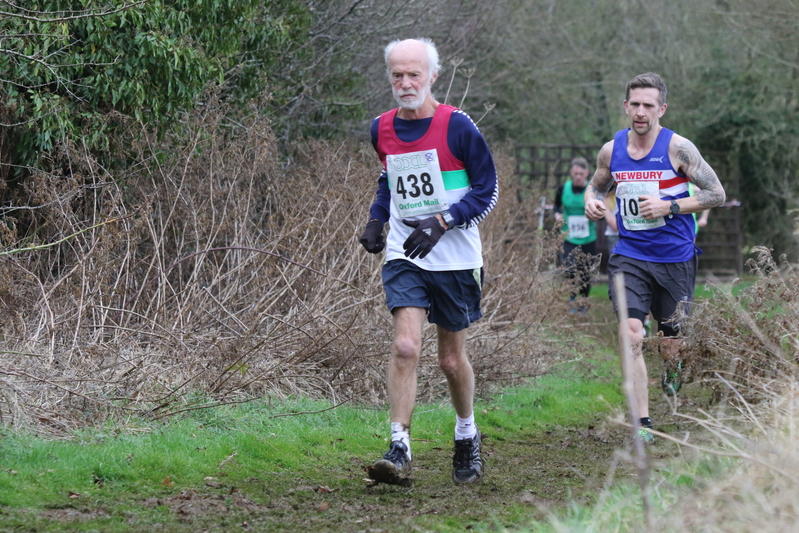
213 271
750 339
745 347
521 292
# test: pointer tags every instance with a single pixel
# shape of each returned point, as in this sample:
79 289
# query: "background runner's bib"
578 227
628 193
579 230
416 183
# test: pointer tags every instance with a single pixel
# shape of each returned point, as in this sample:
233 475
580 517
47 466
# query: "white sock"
465 428
401 433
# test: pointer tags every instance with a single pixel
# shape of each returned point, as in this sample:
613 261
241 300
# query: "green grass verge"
131 477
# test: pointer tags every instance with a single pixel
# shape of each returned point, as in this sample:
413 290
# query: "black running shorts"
657 288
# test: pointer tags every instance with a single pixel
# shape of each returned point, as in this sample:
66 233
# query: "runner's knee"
407 349
451 364
669 348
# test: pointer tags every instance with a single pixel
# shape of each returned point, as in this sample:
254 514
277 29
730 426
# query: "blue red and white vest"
671 242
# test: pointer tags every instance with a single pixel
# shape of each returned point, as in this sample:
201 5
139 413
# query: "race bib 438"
416 183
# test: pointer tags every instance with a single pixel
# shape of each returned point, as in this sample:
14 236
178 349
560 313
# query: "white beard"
415 103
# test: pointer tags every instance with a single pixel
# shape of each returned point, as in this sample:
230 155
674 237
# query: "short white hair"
432 54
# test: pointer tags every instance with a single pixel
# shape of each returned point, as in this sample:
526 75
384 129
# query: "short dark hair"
648 80
580 162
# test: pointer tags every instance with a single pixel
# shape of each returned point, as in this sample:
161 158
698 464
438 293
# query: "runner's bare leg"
635 332
458 370
405 353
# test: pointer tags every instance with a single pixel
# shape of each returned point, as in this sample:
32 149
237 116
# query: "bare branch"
61 16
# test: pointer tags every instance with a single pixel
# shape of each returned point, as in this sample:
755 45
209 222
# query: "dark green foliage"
758 126
77 67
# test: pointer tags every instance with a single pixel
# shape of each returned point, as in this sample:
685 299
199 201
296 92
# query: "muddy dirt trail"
526 475
528 472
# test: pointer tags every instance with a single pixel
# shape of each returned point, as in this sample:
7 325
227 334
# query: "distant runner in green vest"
580 233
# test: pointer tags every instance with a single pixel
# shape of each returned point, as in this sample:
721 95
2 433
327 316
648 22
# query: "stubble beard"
641 129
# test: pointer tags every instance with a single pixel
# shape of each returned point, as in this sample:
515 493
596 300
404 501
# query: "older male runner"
438 183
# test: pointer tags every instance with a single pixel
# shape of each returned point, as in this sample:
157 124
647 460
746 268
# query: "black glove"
372 238
427 233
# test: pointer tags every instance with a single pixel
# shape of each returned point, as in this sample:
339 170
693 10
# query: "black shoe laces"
396 454
465 453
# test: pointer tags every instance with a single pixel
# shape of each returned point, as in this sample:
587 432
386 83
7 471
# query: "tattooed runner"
652 168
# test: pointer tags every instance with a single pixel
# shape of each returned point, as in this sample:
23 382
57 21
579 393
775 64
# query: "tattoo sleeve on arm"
599 195
701 174
602 179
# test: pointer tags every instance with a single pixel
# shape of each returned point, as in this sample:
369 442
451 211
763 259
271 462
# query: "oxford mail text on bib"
416 183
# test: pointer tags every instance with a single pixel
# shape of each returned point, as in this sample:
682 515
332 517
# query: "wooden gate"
721 240
542 168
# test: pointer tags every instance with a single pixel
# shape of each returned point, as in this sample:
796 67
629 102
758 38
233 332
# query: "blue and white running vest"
669 239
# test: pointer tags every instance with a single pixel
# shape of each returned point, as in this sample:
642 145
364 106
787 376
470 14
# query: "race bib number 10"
628 193
416 183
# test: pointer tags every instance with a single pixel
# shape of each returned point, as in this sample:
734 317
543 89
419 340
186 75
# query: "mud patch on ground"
72 514
525 476
188 505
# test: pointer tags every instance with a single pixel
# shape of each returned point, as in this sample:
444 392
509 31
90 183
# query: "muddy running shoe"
467 464
645 436
672 378
394 468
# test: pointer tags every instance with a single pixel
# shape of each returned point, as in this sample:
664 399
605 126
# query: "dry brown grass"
746 347
213 270
754 484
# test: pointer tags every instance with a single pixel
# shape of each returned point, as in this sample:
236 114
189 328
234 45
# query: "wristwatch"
674 209
448 220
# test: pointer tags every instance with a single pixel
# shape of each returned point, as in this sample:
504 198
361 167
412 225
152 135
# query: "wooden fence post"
641 461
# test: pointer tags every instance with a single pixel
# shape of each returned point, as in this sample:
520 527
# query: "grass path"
252 468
